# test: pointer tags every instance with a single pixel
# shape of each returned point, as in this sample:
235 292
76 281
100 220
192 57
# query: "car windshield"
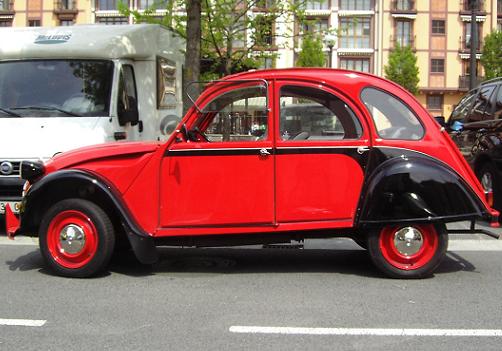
46 88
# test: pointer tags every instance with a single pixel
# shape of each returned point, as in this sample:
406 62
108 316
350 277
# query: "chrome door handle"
264 152
362 149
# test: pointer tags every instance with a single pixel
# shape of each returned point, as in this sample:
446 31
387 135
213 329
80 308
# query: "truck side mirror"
129 114
441 120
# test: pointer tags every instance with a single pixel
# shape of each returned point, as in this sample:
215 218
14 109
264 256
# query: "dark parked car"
476 127
263 157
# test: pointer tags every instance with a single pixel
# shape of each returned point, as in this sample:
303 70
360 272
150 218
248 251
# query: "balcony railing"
65 6
403 6
402 42
466 9
464 81
6 7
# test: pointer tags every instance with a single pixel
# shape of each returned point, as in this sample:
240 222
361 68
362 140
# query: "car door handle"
264 152
362 149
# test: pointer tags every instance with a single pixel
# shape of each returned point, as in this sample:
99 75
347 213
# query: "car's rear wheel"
408 251
76 238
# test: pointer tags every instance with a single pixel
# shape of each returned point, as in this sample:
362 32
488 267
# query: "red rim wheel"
72 239
409 248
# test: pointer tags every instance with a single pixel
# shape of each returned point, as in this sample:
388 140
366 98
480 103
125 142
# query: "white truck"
67 87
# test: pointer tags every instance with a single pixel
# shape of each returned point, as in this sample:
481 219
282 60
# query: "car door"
322 148
223 174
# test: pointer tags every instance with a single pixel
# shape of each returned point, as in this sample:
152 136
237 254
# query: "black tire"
84 225
388 258
488 171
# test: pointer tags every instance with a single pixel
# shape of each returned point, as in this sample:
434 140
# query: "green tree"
234 37
311 54
491 57
402 68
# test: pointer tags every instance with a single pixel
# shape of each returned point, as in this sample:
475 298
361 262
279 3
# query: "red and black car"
263 157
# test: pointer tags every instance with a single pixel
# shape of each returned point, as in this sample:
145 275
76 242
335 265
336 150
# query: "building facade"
357 34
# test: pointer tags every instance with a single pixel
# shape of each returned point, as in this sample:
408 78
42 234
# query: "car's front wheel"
76 238
408 251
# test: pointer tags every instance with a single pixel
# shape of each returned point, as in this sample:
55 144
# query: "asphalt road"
206 299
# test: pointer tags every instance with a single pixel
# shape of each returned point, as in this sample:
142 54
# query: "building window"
438 27
113 20
264 4
437 65
355 5
34 23
403 5
65 23
467 36
499 24
317 5
403 33
435 102
150 4
318 26
263 33
355 33
355 64
107 5
5 23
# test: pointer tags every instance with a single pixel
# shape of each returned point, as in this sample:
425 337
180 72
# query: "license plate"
14 206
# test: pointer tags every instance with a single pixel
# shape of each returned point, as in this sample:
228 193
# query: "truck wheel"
408 251
76 238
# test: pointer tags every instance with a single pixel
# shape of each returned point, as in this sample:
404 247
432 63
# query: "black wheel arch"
66 184
416 189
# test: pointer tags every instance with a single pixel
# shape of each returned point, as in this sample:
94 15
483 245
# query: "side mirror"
129 114
441 120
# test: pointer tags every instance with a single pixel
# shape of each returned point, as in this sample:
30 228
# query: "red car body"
383 186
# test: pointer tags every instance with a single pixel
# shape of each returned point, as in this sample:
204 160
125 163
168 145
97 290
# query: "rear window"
393 119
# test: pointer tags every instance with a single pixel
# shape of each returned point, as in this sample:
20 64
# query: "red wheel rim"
59 244
426 251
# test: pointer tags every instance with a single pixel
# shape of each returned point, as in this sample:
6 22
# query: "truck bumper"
11 189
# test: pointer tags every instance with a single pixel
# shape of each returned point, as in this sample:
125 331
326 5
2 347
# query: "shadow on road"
244 261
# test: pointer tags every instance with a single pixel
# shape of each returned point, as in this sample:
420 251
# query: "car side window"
393 119
464 106
313 114
481 104
239 114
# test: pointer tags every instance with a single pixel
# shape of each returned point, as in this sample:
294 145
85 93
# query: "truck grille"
9 168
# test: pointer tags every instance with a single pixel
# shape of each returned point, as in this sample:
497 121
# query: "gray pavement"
192 298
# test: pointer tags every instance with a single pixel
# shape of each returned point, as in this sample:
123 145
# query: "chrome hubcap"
72 239
408 241
487 182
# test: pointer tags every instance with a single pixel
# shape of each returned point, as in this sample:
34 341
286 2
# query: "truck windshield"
46 88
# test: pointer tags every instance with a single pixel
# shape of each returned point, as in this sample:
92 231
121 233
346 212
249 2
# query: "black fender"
82 184
417 189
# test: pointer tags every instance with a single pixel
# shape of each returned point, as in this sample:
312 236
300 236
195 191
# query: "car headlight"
31 170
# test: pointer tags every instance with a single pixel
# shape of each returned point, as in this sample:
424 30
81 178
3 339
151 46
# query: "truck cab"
68 87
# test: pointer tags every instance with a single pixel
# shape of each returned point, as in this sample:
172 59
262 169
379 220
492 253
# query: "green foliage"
311 54
491 57
234 37
402 68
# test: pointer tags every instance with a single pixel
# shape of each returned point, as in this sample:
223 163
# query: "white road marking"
23 322
365 331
